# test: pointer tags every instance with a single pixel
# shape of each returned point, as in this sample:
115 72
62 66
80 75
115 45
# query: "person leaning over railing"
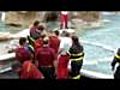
35 33
34 29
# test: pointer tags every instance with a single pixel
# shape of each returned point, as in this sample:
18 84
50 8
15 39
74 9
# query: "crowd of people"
46 55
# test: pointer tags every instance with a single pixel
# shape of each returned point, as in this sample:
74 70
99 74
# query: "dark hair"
56 32
65 34
76 44
75 39
41 27
36 23
22 40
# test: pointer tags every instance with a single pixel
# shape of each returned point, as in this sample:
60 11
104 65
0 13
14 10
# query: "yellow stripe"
78 59
76 77
31 47
77 54
117 56
32 39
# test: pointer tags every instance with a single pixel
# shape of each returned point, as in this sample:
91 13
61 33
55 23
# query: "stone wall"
86 15
28 17
23 18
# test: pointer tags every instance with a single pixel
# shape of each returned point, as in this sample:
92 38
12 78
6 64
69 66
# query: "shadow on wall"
51 16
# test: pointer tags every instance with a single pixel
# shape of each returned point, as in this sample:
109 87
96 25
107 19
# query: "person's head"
16 67
50 33
56 32
63 33
46 41
43 35
22 41
41 27
75 39
36 23
66 34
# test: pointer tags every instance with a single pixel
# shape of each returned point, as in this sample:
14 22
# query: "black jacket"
116 59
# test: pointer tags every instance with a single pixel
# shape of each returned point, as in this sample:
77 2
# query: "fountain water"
3 16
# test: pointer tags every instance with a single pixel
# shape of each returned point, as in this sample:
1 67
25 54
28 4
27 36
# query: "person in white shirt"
64 20
63 59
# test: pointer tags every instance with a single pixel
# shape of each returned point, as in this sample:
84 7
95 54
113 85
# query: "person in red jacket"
64 19
54 41
22 52
45 56
27 70
39 42
30 71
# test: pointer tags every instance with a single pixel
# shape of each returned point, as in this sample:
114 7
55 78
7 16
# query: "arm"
61 47
53 54
36 58
116 59
113 63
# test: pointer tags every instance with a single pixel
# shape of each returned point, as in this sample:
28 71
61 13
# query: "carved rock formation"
88 16
21 18
26 18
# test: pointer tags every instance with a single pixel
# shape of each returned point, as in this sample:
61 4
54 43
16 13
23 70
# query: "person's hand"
42 77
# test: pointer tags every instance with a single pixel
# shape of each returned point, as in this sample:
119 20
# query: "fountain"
98 55
3 16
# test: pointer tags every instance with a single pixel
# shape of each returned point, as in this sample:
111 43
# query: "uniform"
64 20
76 57
54 43
31 40
22 54
63 59
45 57
62 71
38 44
30 71
114 62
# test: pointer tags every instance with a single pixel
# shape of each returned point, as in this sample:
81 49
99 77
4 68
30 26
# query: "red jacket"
38 43
54 43
62 70
45 56
22 54
30 71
